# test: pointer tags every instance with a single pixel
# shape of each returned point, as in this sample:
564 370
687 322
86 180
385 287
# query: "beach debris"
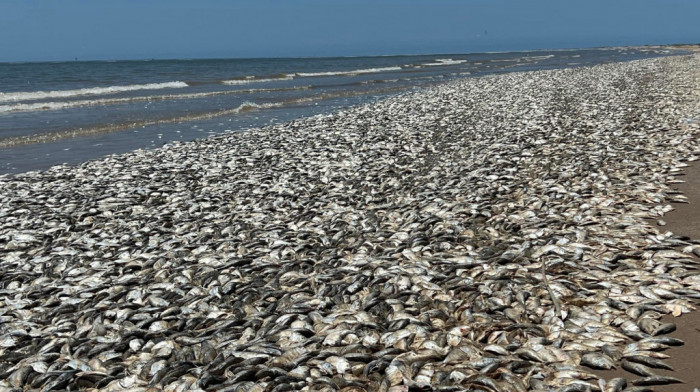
494 234
615 385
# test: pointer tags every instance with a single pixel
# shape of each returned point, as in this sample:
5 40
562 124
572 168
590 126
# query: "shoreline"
683 220
477 234
99 119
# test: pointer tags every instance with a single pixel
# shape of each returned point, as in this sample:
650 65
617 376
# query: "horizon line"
348 56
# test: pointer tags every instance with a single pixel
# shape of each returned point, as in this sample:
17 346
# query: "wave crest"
252 79
36 106
348 73
35 95
439 62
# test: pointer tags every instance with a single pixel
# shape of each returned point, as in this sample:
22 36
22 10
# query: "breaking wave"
439 62
36 106
348 73
58 135
253 79
245 107
276 78
35 95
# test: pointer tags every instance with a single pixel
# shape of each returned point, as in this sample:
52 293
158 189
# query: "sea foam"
36 106
252 79
34 95
54 136
439 62
348 73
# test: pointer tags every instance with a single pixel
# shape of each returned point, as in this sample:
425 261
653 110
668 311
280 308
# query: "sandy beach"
684 220
501 233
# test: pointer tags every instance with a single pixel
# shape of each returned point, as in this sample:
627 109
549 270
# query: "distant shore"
690 47
498 232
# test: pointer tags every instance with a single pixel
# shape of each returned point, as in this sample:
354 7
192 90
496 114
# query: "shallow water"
53 113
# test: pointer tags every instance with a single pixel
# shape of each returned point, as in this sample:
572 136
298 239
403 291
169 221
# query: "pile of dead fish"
490 234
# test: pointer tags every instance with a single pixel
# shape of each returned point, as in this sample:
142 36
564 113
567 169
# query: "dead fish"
636 368
639 389
612 352
615 385
658 342
648 361
597 361
656 380
445 239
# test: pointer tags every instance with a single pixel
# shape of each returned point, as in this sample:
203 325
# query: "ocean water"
70 112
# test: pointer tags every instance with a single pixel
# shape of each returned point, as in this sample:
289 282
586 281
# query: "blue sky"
137 29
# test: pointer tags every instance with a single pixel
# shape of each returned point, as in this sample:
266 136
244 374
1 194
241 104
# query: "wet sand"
684 221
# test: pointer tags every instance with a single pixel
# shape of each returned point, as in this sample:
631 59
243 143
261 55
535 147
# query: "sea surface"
69 112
